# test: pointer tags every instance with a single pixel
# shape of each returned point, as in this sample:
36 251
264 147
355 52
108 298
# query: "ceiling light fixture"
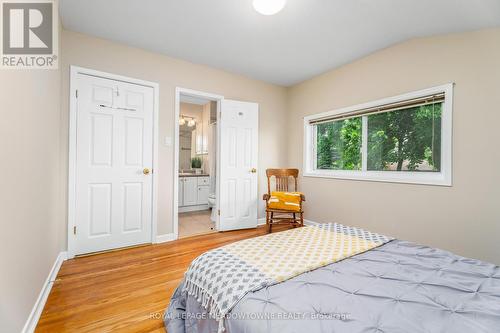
182 121
191 122
268 7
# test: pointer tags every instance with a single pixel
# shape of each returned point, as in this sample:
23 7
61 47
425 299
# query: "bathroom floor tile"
195 223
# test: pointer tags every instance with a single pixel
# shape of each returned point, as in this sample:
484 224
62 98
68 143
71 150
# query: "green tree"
411 135
339 145
402 138
324 146
350 135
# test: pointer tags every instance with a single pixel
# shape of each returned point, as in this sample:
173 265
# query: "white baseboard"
165 238
262 221
34 316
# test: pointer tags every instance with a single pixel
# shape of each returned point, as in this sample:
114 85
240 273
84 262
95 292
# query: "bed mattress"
397 287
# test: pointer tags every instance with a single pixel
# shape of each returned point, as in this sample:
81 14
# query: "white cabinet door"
190 194
181 192
238 162
203 195
113 194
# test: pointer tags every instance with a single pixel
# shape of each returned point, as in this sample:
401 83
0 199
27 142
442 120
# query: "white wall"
30 197
464 218
31 200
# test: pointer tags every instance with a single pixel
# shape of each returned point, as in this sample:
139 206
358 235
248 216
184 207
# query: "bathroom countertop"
193 175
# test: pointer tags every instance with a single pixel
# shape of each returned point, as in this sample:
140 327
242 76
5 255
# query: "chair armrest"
265 197
302 197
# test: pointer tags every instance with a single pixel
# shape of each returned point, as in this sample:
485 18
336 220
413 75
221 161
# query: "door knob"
253 170
146 171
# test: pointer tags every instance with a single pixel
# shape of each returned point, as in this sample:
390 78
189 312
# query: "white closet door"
114 149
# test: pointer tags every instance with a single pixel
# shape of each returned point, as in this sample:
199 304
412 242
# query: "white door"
114 149
239 141
190 191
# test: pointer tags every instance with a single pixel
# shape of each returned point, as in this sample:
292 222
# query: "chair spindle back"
282 179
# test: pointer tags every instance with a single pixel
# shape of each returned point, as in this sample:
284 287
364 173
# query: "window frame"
441 178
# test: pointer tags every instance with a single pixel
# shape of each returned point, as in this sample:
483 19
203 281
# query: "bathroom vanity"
193 192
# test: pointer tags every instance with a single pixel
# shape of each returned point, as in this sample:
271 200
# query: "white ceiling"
307 38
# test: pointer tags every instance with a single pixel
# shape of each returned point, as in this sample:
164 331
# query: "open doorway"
215 184
196 172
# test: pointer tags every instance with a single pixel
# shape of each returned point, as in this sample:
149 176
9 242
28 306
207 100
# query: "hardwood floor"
126 290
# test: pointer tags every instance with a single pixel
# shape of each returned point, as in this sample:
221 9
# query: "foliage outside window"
406 140
339 145
403 139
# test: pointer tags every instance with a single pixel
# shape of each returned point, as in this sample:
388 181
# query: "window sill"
419 178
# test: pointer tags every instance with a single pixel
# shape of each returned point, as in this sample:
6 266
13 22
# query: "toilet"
212 204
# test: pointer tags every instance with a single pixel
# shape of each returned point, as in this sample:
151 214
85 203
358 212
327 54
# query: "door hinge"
74 230
218 212
76 93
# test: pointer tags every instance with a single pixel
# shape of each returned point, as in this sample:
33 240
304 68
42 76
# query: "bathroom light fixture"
268 7
190 121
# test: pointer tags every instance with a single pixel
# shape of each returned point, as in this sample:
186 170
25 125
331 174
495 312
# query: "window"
405 138
339 145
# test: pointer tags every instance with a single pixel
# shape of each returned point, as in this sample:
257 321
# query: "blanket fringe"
206 301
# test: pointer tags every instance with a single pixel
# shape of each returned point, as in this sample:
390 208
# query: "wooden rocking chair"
292 216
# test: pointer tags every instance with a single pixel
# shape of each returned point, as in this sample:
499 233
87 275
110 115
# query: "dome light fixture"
182 121
268 7
191 122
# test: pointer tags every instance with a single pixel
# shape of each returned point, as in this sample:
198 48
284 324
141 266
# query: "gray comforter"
398 287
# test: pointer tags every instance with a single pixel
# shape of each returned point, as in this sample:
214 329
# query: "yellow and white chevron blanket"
221 277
